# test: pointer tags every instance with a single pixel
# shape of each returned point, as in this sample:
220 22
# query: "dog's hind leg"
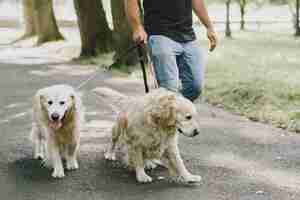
118 129
110 153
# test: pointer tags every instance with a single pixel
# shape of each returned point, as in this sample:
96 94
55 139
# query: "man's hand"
140 35
213 40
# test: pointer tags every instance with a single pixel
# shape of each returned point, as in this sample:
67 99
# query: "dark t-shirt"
172 18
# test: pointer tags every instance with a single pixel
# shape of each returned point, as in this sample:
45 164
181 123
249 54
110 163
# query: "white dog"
57 117
148 127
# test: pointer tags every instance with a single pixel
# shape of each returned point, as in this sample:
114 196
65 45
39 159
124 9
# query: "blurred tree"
96 36
39 20
45 22
242 4
122 32
228 30
227 16
294 9
28 12
297 25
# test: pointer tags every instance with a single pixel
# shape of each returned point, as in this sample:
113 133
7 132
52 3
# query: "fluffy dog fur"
148 127
57 117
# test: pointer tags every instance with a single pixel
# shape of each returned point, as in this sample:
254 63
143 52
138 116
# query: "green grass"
257 75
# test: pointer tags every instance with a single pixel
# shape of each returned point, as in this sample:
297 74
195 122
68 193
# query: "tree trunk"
228 31
45 22
28 10
122 33
297 25
39 20
96 36
28 15
242 10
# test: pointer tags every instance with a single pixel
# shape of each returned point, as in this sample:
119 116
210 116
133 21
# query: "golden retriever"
57 117
148 127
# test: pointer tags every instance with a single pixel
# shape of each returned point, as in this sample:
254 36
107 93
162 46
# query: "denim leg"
191 70
163 53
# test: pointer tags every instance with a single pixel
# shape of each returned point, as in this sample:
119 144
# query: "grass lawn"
257 75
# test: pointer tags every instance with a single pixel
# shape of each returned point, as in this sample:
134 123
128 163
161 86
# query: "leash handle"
140 53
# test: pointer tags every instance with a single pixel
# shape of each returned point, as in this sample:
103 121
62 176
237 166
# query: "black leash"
140 53
126 53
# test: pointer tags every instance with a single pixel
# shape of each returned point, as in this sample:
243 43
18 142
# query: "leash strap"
83 83
107 68
129 50
140 53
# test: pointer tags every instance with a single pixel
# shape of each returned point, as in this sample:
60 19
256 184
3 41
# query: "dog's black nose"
55 116
195 132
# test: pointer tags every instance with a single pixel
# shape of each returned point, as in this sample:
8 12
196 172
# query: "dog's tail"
116 100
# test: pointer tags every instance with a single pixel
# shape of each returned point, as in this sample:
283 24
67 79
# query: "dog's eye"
50 103
62 103
189 117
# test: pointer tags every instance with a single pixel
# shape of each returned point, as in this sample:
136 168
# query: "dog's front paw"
192 178
109 155
72 164
58 173
143 178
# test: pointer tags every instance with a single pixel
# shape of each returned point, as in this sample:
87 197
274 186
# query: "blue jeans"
174 62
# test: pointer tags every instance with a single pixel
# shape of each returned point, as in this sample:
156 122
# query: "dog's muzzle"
55 122
55 117
195 132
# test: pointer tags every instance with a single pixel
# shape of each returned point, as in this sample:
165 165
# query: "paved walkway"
238 159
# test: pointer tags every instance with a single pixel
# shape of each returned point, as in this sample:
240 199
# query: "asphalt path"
237 159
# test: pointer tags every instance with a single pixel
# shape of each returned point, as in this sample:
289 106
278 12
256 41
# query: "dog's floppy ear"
76 101
40 99
73 99
38 104
163 113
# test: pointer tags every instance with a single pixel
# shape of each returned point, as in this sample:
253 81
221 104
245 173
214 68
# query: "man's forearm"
201 12
133 13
